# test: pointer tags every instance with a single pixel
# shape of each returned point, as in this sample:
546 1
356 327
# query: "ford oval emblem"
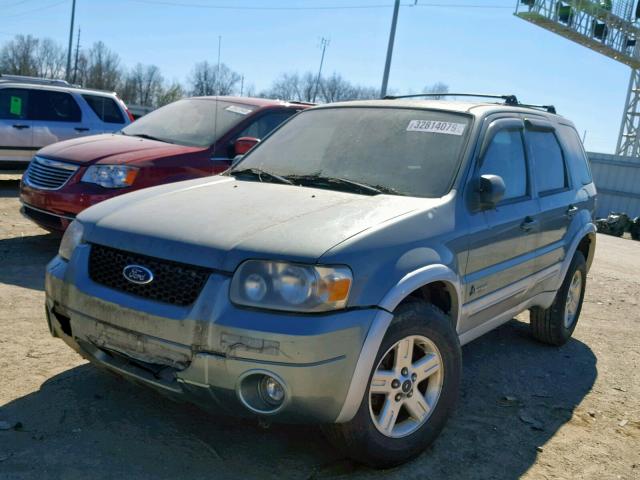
137 274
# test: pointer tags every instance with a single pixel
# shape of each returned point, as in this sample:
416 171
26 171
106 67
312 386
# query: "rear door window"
505 157
13 103
53 106
105 108
550 171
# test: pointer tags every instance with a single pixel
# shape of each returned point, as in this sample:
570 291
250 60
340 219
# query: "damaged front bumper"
210 353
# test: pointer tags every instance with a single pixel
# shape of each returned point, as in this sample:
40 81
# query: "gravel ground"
526 410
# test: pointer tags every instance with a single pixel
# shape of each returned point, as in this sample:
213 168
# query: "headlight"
290 286
110 176
71 239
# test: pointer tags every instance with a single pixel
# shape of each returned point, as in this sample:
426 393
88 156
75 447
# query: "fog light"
271 390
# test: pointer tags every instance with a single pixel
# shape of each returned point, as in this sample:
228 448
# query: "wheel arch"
583 241
438 284
587 245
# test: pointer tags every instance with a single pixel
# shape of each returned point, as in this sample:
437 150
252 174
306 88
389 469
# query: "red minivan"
190 138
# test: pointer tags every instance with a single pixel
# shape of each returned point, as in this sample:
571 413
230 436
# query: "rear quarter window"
105 108
576 156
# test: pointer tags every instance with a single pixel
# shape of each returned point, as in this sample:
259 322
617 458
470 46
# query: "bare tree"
50 59
336 88
17 56
207 79
99 68
438 87
169 94
142 85
287 86
302 88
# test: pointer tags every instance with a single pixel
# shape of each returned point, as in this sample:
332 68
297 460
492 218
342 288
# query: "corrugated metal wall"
618 182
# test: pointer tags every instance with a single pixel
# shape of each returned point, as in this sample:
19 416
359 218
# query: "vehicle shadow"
84 423
23 259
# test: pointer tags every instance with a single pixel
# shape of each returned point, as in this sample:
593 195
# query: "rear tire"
556 324
420 396
635 229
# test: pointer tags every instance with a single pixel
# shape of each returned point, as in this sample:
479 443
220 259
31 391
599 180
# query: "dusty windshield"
367 150
196 122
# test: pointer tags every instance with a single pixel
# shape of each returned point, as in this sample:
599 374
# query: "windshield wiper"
261 175
320 181
148 137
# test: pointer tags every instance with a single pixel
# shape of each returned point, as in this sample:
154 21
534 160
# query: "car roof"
477 109
257 102
57 88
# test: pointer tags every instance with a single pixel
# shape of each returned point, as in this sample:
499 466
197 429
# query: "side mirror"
243 144
491 190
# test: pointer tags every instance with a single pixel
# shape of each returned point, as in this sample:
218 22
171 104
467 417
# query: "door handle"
81 129
528 224
572 210
20 126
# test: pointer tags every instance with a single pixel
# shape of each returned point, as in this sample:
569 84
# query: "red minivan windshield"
196 122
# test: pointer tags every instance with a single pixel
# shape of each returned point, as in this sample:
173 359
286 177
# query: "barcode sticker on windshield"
433 126
239 110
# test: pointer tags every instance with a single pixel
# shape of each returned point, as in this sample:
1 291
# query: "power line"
318 7
39 9
15 4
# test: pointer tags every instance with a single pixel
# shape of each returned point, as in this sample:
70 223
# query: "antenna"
217 93
324 43
218 68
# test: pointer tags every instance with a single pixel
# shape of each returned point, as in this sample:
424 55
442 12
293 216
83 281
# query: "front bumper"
55 209
204 353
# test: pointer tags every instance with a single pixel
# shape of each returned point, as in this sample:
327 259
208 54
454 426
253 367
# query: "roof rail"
511 100
34 80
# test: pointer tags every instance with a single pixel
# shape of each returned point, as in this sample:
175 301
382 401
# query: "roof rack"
511 100
34 80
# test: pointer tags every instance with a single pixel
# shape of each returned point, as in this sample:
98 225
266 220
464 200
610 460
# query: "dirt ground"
526 410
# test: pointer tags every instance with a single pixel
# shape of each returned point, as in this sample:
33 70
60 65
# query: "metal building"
617 179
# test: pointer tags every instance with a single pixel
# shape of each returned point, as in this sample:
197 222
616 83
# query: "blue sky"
470 49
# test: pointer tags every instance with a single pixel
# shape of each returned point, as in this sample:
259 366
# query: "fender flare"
588 230
409 283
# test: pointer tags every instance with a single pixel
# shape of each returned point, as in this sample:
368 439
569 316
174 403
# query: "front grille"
48 174
173 282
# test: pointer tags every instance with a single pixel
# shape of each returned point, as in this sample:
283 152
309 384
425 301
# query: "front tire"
412 389
556 324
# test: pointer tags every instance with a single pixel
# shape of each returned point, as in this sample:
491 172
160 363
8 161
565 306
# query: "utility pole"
242 85
325 43
75 66
392 36
73 16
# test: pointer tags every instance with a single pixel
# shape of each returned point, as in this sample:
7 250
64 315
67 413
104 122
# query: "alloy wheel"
573 299
406 386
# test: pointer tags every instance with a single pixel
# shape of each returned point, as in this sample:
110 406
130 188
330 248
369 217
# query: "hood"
218 222
112 149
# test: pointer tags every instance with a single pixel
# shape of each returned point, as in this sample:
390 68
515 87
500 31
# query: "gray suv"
36 112
332 275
